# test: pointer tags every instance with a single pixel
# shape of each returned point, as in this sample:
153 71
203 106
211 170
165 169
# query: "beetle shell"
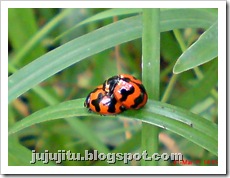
101 102
128 90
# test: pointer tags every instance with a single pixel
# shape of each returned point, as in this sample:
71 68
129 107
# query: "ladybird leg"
123 108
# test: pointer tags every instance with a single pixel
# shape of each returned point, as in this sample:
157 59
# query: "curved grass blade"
200 52
72 52
100 16
205 16
85 46
156 113
195 17
184 116
39 36
179 128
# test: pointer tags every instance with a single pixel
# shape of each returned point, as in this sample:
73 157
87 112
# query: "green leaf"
184 18
88 45
177 120
202 51
100 16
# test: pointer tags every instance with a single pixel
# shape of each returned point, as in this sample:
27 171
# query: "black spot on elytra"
140 98
112 108
87 100
96 102
125 93
142 88
137 101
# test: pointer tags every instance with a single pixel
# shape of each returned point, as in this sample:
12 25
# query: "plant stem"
169 88
174 77
151 76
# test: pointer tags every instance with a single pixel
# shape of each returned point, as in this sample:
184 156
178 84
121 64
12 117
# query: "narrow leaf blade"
202 51
164 115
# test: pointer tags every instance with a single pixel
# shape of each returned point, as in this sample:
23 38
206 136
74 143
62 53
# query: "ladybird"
127 90
101 102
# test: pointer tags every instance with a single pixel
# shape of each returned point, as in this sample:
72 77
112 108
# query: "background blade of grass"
165 120
175 18
21 30
200 52
193 96
45 95
151 76
32 43
205 16
100 16
87 45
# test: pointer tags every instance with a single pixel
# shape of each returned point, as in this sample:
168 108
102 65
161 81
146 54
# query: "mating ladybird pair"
116 95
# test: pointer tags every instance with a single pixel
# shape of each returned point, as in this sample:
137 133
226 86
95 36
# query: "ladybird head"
110 84
87 100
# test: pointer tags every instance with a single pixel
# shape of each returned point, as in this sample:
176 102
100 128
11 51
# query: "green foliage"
202 51
45 114
151 76
177 120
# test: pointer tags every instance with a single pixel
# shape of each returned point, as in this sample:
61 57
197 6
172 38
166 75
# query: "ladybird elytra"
100 102
128 90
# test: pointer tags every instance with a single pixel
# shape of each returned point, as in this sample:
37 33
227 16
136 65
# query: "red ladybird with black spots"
127 90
